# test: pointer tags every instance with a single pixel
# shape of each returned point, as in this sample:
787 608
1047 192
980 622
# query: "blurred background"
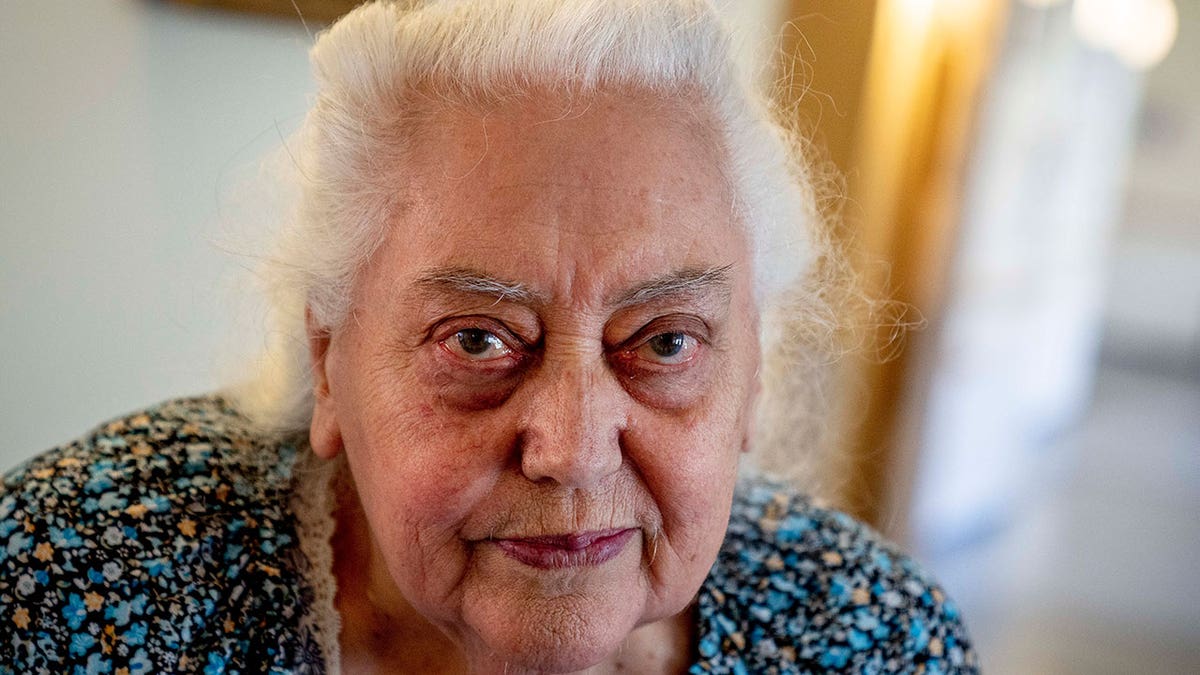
1025 174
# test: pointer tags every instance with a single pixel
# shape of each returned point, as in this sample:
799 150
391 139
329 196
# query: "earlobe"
324 435
752 413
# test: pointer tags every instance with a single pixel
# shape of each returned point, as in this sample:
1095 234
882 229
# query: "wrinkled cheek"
697 519
428 565
419 483
430 471
697 484
694 494
416 532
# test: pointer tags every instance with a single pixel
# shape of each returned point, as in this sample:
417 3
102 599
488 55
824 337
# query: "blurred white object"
1139 32
1043 3
1020 333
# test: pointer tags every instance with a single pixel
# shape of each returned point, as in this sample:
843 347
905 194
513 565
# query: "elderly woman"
525 301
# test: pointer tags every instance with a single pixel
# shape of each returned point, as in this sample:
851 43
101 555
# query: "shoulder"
150 542
800 588
182 443
186 456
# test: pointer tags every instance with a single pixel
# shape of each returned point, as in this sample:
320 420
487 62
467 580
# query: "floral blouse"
178 540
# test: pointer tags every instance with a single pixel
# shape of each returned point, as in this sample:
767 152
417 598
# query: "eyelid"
446 330
687 324
689 351
453 344
626 353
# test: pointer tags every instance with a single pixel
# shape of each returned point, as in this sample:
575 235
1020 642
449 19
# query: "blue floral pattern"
163 542
801 589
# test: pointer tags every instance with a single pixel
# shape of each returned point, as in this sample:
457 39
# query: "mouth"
581 549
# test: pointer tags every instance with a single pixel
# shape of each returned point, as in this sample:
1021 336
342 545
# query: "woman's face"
547 376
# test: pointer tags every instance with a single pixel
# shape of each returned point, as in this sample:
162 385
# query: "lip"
579 549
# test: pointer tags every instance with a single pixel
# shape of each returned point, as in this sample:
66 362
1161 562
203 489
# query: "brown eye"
476 344
668 348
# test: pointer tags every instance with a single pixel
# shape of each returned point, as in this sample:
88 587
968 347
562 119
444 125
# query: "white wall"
1153 311
121 124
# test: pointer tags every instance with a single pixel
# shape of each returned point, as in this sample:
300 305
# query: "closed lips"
567 550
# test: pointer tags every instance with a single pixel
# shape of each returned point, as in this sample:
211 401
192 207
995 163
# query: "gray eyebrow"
680 283
686 282
462 280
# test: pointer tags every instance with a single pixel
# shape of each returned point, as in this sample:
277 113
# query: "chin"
566 661
564 638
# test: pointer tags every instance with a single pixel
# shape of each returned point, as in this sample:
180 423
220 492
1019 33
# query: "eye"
668 348
476 344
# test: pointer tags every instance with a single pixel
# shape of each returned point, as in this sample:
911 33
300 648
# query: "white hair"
375 65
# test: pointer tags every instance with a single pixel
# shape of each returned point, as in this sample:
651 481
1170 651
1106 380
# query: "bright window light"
1139 32
1040 4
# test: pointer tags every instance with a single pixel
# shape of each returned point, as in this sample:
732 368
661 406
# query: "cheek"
690 472
462 387
419 467
692 481
411 443
690 461
690 468
667 391
419 474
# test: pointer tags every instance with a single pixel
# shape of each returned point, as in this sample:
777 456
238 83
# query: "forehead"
572 200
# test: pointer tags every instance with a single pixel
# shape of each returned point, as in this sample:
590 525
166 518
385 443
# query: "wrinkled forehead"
591 138
606 192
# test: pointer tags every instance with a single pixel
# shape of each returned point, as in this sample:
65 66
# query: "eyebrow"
680 283
676 284
471 282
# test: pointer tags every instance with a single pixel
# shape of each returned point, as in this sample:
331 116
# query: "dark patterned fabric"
156 544
163 542
800 589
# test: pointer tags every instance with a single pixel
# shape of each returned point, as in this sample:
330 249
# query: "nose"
572 424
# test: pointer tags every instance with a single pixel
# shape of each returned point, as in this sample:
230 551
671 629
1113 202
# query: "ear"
751 427
752 412
324 435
